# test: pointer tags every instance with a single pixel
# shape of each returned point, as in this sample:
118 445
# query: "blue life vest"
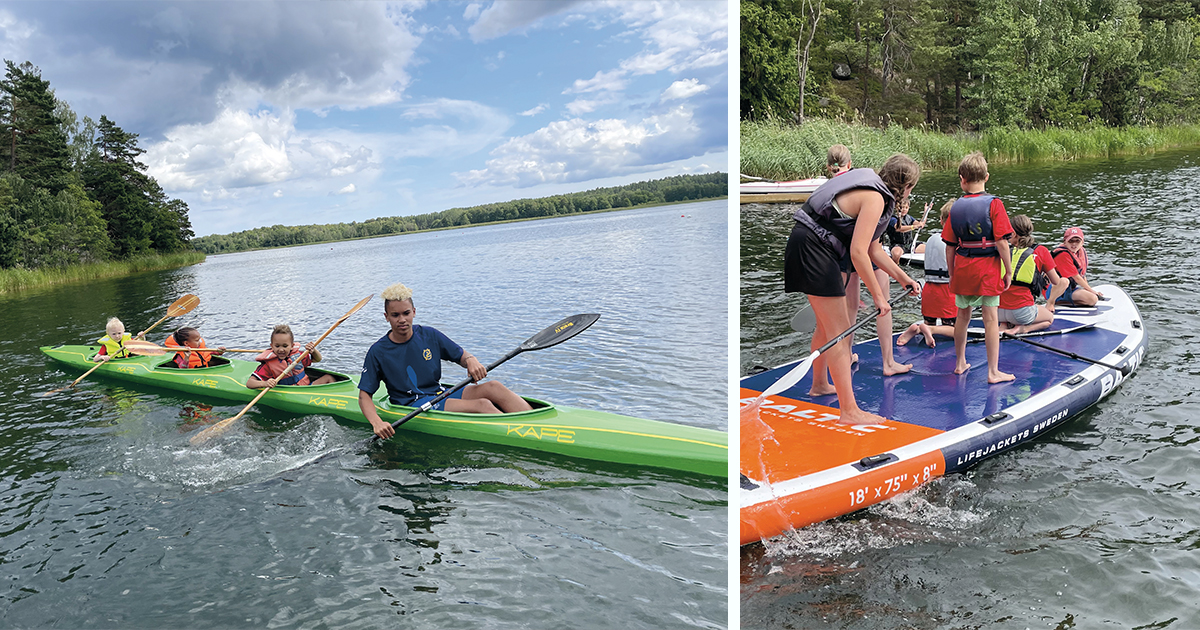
819 215
971 220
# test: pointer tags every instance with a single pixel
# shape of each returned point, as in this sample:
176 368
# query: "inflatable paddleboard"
800 466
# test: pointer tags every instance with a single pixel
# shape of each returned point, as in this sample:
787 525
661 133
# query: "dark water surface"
109 519
1094 526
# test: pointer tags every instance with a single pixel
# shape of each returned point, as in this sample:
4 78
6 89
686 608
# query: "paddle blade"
789 379
145 348
560 331
804 321
183 305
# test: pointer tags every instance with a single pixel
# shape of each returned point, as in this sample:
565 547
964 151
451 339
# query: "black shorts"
810 266
933 321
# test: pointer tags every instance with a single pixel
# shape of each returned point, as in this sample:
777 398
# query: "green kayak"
565 430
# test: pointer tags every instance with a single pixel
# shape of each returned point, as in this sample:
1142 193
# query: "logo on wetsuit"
427 354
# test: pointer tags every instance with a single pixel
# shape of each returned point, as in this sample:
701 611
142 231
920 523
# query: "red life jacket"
1080 265
194 360
271 366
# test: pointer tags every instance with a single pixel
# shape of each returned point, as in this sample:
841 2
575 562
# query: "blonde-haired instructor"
408 360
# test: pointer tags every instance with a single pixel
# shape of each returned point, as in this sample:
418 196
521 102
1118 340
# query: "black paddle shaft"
1124 369
550 336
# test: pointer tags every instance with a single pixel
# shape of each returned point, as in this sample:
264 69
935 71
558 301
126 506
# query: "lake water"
110 519
1094 526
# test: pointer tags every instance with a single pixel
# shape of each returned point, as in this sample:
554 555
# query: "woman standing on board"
843 218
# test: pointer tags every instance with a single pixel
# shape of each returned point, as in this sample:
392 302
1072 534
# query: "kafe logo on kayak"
564 436
204 382
325 401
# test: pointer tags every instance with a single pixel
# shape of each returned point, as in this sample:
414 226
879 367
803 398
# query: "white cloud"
346 190
685 88
277 194
505 16
241 149
541 107
578 150
603 81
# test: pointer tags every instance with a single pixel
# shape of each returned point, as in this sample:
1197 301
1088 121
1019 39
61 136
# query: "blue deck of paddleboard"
933 396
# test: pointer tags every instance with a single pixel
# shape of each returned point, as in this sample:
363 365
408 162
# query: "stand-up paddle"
550 336
223 425
1124 370
798 372
179 307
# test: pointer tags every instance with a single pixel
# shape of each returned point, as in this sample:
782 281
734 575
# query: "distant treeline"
667 190
73 191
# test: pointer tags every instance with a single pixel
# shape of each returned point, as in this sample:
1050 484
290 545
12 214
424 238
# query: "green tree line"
972 64
73 191
667 190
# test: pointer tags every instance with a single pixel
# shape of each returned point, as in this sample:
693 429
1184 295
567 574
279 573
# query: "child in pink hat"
1070 259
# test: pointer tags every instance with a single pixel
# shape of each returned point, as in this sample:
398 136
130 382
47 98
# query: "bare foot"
896 368
908 334
859 417
928 333
827 390
999 377
962 368
853 358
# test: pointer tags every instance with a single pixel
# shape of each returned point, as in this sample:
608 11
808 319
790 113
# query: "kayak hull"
796 191
563 430
800 466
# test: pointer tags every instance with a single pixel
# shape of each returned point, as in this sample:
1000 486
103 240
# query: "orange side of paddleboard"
785 439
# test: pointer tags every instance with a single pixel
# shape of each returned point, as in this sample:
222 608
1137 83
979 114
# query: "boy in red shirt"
979 262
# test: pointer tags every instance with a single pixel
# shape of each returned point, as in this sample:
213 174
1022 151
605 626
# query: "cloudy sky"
258 113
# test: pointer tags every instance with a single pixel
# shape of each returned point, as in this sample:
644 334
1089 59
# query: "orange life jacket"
194 359
272 367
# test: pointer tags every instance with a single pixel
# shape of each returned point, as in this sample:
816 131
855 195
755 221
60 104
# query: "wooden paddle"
179 307
552 335
151 349
223 425
183 305
798 372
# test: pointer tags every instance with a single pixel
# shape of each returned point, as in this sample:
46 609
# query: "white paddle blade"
804 321
789 379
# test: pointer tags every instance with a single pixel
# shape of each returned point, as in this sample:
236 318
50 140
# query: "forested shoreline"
674 189
969 65
779 151
72 191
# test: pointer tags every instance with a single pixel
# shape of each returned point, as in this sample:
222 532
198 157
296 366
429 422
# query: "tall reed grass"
774 150
14 280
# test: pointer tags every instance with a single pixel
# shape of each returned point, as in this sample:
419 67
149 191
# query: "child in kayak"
1018 312
1070 259
408 361
188 337
274 361
112 344
979 262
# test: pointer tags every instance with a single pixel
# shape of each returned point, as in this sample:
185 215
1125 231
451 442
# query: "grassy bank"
13 280
779 151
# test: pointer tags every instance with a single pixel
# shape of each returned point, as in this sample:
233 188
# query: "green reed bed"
778 151
14 280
